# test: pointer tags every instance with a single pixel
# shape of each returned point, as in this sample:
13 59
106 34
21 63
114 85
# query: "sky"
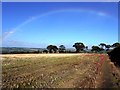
39 24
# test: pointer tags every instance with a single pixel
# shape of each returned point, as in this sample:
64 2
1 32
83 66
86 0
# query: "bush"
114 56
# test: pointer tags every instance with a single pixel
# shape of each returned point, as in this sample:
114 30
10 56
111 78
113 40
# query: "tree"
62 49
45 51
79 46
114 56
116 45
96 48
107 47
102 45
52 48
55 48
86 47
49 47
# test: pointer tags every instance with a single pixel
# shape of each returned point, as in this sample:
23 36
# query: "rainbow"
80 10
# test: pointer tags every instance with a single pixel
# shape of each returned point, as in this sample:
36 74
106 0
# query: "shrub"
114 56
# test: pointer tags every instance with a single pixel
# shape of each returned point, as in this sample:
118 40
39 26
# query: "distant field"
39 55
52 70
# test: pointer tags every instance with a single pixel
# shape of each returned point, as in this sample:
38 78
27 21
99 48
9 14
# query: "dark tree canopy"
107 47
102 45
45 51
116 45
79 46
96 48
62 49
52 48
114 56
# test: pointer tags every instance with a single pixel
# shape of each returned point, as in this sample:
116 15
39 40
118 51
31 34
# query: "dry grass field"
57 71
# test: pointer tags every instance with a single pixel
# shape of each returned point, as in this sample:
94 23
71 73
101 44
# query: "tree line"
79 48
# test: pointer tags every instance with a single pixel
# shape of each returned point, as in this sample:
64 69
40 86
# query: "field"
58 71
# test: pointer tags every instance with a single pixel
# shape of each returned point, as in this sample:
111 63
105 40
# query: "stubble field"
56 71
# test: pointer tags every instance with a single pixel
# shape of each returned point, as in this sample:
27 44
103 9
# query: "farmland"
58 71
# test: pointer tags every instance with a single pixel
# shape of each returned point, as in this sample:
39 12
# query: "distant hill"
6 50
16 50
